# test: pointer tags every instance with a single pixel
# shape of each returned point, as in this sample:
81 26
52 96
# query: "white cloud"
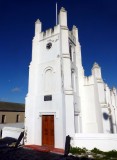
16 89
3 99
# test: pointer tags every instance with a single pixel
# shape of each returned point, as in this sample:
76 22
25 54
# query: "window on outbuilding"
3 119
17 118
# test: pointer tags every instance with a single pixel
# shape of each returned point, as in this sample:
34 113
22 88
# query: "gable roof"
12 107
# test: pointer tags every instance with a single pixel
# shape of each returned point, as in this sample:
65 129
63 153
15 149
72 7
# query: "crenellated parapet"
114 90
89 80
49 33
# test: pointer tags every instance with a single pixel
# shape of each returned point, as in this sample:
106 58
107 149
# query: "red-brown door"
48 130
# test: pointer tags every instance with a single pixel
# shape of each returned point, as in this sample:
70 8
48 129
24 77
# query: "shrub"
98 154
112 153
97 151
77 150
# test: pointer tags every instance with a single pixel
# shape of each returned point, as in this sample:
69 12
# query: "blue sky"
97 24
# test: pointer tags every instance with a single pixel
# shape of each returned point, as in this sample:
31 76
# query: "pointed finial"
38 21
75 32
63 9
63 17
74 27
95 65
38 27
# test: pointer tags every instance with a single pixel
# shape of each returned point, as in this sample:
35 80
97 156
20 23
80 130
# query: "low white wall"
104 142
17 125
12 132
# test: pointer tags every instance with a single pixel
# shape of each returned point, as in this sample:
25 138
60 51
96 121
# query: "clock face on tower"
49 45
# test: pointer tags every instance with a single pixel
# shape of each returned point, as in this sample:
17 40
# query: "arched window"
48 80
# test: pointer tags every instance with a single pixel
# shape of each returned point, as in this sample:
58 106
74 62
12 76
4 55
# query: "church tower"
61 100
51 102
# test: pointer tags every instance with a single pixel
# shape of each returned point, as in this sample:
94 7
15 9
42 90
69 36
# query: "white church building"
61 100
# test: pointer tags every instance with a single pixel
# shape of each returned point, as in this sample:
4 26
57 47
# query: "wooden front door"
48 130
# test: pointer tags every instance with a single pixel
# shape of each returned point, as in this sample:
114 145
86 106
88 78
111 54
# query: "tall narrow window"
48 81
70 52
111 124
17 118
3 119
